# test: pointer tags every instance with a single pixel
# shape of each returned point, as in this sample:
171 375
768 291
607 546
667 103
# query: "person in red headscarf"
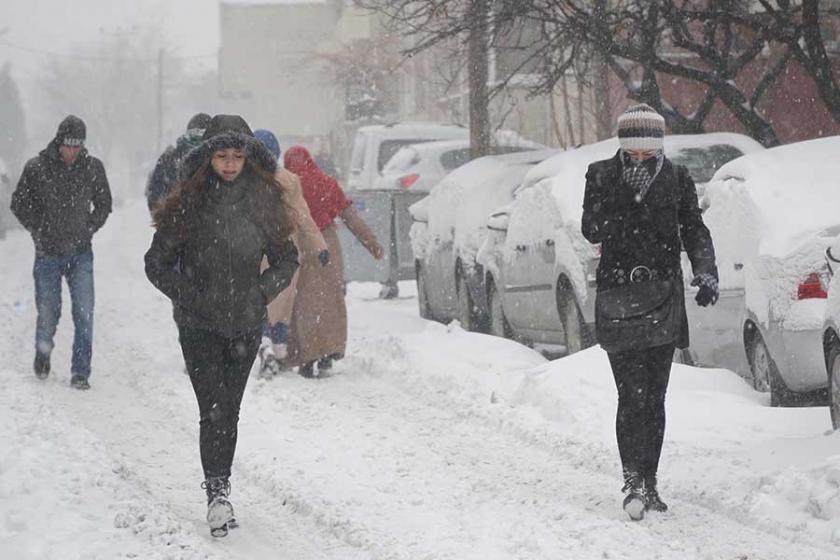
318 329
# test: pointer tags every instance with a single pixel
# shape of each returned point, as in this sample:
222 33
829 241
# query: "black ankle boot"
652 499
307 370
634 495
220 516
41 365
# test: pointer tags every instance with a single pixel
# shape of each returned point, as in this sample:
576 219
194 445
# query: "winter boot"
652 500
325 364
41 365
269 364
219 509
79 382
307 370
634 498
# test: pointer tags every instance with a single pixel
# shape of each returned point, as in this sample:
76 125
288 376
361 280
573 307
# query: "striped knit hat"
641 128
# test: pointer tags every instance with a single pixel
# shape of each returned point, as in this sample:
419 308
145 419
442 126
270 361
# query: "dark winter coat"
62 206
650 232
213 274
167 171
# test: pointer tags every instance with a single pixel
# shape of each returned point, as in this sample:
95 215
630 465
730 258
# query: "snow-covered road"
428 442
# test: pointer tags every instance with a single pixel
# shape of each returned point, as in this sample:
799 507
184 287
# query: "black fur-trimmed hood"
229 131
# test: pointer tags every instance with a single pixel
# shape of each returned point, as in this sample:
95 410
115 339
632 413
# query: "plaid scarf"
639 175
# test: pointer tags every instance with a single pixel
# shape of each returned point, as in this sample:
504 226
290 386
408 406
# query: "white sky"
191 27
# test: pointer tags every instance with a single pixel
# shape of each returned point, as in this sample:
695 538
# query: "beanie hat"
269 140
71 132
199 121
641 128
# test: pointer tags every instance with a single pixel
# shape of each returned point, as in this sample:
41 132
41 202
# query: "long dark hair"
269 209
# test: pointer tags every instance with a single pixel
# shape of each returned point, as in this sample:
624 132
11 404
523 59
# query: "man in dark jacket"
62 199
643 211
167 171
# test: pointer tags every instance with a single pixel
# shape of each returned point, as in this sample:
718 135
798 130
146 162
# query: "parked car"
831 332
374 145
449 281
540 270
420 167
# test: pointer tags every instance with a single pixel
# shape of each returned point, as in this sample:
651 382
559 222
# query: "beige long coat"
308 238
318 328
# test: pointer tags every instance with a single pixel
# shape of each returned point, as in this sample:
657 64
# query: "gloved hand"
708 293
324 257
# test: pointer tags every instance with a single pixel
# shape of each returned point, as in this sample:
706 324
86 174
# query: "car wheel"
575 333
765 374
422 299
466 311
499 325
833 364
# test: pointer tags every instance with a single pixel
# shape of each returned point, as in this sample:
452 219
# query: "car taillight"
408 180
811 288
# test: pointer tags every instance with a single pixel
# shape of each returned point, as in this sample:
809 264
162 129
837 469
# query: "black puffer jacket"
168 169
62 206
213 274
650 232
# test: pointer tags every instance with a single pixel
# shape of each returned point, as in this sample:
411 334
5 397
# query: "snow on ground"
428 442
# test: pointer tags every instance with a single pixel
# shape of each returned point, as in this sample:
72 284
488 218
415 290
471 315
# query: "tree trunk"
477 79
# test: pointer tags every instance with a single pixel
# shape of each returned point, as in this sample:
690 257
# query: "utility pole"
477 63
160 101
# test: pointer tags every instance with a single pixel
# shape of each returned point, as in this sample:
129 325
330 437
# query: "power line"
97 58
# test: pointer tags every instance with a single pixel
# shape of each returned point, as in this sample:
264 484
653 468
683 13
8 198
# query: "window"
388 148
703 162
357 158
402 160
454 159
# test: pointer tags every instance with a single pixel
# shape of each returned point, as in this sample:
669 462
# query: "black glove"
708 293
324 257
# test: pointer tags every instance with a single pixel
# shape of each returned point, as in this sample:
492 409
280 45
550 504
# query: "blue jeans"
78 269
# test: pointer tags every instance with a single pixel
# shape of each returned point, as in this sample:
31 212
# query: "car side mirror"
498 221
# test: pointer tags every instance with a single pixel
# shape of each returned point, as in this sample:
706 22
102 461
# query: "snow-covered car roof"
567 170
791 190
461 202
420 129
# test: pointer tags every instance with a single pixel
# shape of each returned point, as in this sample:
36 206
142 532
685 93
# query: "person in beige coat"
318 328
312 249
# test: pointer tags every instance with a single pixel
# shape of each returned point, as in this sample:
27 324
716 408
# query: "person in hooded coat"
318 329
166 173
312 250
62 199
643 211
212 232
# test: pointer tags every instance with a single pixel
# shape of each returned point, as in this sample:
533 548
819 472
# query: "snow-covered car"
541 273
420 167
450 284
771 214
375 145
831 331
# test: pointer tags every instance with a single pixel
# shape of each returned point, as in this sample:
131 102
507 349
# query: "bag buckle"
641 273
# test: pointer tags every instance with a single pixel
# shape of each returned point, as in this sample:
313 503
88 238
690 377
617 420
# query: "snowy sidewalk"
428 442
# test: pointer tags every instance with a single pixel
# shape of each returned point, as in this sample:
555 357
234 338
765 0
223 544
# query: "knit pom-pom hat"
641 128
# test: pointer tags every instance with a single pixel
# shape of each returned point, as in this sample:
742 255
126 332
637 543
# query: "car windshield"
402 160
388 148
703 162
454 159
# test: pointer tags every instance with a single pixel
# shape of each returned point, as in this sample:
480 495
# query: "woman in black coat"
643 211
212 233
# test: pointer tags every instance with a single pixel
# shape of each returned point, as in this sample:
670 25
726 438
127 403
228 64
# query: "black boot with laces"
652 499
219 509
634 500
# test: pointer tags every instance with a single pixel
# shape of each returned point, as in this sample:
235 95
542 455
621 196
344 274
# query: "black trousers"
218 368
641 377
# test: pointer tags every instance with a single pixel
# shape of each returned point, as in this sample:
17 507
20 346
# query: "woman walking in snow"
313 250
318 330
212 232
643 210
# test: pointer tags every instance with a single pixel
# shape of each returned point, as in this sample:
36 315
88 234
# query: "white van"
374 145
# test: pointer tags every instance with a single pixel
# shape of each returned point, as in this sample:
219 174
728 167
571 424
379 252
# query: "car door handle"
549 243
520 248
